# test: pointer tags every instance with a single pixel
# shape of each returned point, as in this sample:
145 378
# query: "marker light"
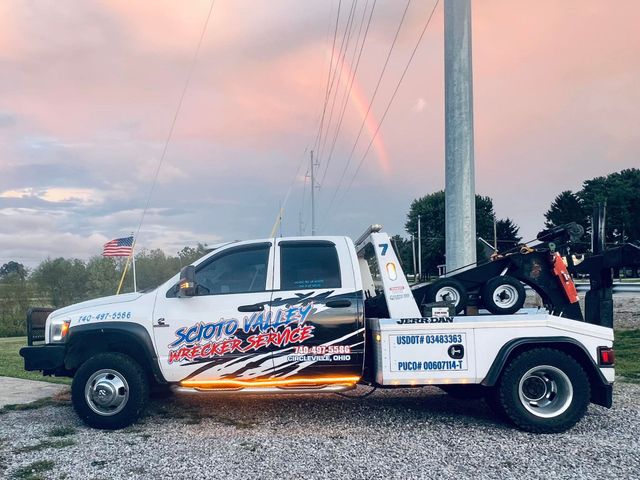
58 330
606 356
284 382
391 271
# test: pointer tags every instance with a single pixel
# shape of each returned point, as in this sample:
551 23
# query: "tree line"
619 191
431 210
61 281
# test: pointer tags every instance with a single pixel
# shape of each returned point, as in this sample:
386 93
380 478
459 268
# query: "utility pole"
460 194
313 197
495 235
419 250
413 251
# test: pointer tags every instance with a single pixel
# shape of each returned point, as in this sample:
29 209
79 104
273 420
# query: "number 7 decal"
384 247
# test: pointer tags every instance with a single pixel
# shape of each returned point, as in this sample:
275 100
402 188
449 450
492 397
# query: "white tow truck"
283 315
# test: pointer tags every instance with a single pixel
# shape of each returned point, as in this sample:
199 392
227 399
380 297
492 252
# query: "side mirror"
187 286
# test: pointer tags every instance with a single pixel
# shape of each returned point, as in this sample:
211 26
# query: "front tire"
109 391
544 391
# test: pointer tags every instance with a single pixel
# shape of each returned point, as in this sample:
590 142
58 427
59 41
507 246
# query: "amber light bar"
350 380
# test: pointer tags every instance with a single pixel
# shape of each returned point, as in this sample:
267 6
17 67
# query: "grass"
61 431
32 471
627 348
58 400
12 364
44 444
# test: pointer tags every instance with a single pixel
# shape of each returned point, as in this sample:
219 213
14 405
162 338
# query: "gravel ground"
626 311
419 433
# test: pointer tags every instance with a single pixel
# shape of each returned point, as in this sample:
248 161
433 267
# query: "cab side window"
239 270
308 265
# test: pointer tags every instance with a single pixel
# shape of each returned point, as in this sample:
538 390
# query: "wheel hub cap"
505 296
448 294
107 392
534 388
104 393
545 391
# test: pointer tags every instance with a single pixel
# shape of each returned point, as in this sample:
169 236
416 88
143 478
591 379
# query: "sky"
88 92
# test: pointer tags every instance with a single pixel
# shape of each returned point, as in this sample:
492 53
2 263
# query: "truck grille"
36 320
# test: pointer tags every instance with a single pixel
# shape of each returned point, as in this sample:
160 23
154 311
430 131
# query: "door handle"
256 307
338 303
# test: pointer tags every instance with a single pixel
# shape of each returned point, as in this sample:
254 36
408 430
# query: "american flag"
119 247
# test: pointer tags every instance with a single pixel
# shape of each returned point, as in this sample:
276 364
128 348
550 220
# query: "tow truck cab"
290 315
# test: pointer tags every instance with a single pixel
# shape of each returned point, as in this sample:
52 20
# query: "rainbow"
360 103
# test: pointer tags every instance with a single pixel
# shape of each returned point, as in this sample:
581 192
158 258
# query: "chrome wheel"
448 294
106 392
505 296
545 391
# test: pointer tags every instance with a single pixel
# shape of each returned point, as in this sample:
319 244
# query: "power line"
283 204
332 78
335 79
353 77
328 87
175 117
302 224
344 46
375 92
393 96
278 220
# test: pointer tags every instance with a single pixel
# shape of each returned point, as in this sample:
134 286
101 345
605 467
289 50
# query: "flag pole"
277 223
124 272
126 267
133 255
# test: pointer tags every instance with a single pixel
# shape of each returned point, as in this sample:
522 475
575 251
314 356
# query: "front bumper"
47 358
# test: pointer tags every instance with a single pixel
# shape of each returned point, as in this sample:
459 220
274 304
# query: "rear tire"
448 290
503 295
544 391
109 391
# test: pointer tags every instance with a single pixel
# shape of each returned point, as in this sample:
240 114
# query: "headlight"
58 329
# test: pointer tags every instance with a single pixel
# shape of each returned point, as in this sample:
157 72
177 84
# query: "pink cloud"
556 91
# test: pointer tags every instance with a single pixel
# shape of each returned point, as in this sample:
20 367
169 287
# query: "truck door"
206 337
317 278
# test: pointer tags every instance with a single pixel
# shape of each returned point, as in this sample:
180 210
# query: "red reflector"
607 356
